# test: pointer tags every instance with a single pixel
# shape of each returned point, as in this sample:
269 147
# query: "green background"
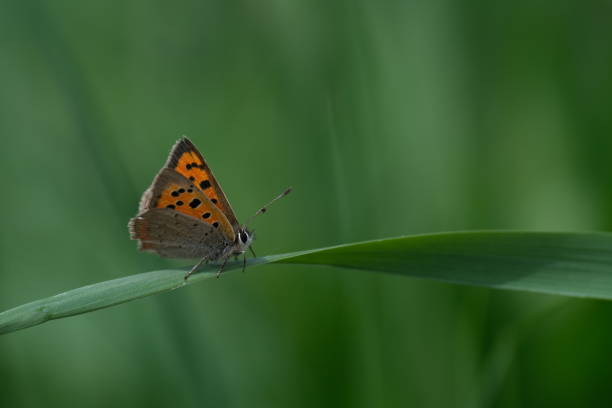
387 118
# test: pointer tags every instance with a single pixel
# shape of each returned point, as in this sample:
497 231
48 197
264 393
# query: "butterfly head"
243 240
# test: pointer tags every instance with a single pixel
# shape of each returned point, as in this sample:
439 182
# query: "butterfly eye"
244 237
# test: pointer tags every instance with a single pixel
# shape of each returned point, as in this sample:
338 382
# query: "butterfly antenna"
265 207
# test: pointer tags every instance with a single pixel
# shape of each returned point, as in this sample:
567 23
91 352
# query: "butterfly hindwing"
185 159
170 190
172 234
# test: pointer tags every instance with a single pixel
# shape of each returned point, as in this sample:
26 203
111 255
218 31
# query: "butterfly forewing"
188 161
170 190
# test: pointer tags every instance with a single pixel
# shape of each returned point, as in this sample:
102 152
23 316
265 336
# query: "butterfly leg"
253 251
222 266
195 268
244 262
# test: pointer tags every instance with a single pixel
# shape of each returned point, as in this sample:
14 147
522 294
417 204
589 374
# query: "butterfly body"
154 228
185 214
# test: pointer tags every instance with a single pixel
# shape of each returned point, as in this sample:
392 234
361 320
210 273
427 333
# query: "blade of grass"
570 264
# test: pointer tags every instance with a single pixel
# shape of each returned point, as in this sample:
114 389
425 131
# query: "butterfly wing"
185 159
172 191
172 234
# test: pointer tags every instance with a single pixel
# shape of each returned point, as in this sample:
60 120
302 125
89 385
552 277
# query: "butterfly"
185 214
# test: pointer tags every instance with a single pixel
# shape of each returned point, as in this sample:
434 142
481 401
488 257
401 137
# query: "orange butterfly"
184 214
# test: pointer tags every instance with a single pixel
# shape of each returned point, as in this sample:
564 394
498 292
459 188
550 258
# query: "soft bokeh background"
387 118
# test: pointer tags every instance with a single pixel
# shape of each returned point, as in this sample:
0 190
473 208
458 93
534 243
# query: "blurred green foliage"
387 118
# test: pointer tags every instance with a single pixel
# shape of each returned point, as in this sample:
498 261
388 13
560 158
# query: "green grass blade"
571 264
